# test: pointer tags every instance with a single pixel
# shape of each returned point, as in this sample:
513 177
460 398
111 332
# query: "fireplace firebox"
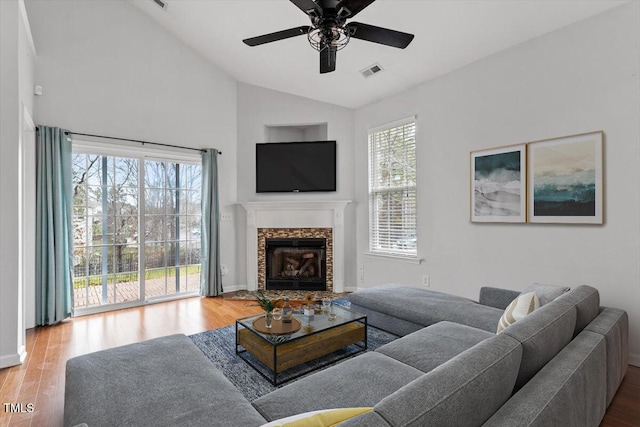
296 264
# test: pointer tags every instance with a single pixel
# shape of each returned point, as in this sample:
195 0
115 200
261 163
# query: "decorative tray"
278 327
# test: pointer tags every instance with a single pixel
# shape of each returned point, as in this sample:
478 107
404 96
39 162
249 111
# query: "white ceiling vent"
161 3
371 70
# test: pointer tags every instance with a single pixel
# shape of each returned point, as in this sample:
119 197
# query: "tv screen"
296 166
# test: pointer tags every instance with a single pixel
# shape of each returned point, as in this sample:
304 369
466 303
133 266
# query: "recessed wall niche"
295 133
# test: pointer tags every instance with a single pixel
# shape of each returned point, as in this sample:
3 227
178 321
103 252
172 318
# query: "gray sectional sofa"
560 365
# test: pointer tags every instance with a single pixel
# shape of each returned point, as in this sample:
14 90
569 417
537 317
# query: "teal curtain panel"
210 277
54 227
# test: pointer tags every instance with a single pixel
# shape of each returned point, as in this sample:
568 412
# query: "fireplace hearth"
296 264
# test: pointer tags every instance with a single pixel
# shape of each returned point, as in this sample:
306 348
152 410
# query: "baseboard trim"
234 288
22 352
634 359
12 359
350 288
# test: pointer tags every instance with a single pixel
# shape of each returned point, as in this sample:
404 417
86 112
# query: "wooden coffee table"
316 337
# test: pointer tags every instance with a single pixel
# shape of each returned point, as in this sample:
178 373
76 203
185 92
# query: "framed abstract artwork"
498 184
565 181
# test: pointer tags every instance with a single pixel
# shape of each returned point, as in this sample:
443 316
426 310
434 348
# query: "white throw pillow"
517 309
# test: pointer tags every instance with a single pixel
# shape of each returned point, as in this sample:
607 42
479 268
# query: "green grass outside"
159 273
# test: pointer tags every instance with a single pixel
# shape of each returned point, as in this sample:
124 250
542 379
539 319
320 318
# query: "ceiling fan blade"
278 35
354 6
328 59
380 35
309 7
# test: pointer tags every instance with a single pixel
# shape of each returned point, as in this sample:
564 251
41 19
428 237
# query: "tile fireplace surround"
295 219
294 233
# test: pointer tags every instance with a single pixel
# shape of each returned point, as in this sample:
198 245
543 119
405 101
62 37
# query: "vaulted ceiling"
448 34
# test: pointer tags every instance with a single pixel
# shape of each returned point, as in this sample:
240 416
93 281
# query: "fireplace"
295 219
296 263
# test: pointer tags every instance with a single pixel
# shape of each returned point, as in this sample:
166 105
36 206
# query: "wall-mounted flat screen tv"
296 166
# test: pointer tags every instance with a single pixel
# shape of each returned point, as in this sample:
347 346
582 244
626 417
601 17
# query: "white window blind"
392 189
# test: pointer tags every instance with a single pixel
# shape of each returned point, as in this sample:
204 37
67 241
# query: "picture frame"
498 184
565 179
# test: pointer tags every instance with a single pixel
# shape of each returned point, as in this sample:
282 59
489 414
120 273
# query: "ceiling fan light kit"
329 31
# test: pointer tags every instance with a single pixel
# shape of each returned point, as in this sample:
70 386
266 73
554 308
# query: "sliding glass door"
172 228
136 229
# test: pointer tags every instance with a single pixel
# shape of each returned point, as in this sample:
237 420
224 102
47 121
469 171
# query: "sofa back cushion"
466 390
496 297
542 334
568 391
545 293
587 302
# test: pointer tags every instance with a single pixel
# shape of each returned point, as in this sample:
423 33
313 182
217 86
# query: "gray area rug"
219 346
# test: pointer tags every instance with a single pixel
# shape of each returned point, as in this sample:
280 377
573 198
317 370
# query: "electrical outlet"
361 274
224 270
426 281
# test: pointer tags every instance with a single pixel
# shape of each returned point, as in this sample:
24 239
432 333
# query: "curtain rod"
136 140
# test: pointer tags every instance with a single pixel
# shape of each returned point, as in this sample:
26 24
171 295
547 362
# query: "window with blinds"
392 189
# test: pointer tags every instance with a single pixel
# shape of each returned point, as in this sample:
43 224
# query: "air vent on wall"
161 3
371 70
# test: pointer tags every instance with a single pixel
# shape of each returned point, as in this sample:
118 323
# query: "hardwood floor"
40 380
625 407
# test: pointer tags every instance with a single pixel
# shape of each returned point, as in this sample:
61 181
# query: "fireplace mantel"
296 214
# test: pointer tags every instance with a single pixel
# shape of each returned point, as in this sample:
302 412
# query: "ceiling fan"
329 31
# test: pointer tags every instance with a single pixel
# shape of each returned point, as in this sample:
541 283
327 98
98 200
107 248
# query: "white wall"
107 69
259 107
580 78
16 80
27 186
27 64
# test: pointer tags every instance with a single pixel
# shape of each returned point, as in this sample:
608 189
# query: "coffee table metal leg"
237 352
275 365
366 333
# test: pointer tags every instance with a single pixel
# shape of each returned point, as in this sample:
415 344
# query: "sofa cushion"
358 382
496 297
387 322
466 390
424 307
432 346
568 391
587 302
543 334
545 293
165 381
520 307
